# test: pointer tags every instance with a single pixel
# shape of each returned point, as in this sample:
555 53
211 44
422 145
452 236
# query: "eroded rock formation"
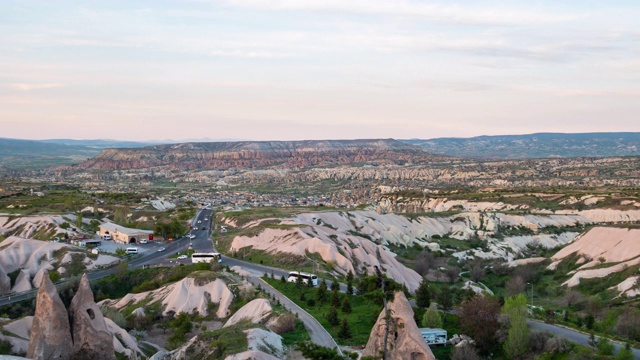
91 337
404 340
50 333
5 282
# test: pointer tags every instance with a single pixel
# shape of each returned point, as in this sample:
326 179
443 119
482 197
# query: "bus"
294 275
132 250
205 257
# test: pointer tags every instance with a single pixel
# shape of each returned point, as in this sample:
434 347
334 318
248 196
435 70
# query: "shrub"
605 347
466 352
285 323
557 345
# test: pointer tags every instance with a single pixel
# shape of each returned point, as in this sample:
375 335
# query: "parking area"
111 246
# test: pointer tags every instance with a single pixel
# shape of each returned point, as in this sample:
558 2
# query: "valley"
558 236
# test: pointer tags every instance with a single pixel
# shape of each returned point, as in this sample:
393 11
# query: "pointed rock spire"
50 333
404 338
91 337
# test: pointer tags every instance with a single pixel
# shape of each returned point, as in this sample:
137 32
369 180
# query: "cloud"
36 86
468 15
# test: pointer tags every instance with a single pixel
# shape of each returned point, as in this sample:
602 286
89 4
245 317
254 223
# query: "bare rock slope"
187 295
404 340
602 251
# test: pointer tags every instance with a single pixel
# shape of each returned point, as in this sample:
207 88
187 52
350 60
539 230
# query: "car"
199 221
182 257
144 241
162 249
191 236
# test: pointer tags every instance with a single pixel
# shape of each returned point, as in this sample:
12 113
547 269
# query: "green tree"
445 298
350 283
335 298
423 295
589 321
625 353
79 220
299 281
321 295
517 343
283 280
346 305
605 347
431 318
121 270
345 331
332 316
94 225
54 276
335 285
120 216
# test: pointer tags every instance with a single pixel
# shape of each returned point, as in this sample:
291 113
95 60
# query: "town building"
123 234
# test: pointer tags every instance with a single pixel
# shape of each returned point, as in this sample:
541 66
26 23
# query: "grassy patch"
361 319
300 334
227 341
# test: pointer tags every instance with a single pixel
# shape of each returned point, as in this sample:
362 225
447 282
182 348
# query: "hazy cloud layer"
316 69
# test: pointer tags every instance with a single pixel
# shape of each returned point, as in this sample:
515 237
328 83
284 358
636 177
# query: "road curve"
319 334
572 335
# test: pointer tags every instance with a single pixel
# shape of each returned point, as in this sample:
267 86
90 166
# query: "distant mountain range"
111 154
19 154
258 154
541 145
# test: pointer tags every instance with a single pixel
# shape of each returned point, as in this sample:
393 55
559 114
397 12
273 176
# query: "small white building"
434 336
123 234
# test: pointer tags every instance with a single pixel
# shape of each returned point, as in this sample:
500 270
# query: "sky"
316 69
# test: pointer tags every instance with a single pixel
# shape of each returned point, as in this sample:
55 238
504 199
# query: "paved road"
319 334
571 335
147 258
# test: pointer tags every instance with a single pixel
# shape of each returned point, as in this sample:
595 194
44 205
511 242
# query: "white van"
107 236
132 250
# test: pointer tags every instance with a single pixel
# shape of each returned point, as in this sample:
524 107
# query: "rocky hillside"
258 154
540 145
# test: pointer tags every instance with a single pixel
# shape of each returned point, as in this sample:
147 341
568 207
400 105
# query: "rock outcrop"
5 282
404 340
91 337
254 311
50 333
23 281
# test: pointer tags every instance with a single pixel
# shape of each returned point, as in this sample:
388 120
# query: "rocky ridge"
257 154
